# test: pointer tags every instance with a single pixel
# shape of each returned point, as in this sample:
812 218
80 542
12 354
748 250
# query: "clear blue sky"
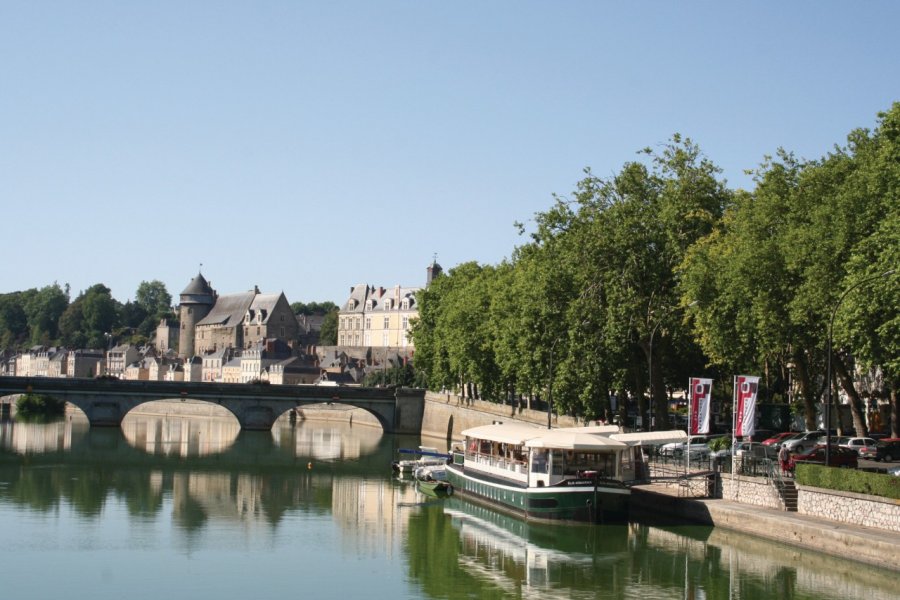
308 146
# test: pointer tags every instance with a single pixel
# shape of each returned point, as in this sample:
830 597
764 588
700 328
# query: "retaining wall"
756 491
847 507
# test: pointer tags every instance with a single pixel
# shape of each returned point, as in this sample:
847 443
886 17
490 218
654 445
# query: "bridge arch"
256 407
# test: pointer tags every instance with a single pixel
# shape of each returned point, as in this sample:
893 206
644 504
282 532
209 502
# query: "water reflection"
180 436
302 491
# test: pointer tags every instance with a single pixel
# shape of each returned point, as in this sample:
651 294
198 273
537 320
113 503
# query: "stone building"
210 322
380 317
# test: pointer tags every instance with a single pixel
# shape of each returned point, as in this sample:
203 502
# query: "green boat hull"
580 500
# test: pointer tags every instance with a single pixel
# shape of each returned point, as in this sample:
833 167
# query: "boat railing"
498 465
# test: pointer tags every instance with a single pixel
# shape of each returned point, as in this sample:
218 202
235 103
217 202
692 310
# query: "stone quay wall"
756 491
847 507
446 415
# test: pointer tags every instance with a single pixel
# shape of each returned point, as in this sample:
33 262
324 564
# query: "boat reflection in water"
536 557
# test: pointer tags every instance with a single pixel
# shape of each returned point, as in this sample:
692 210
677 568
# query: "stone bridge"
105 402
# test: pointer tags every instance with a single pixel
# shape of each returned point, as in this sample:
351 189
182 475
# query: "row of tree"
661 271
48 316
94 319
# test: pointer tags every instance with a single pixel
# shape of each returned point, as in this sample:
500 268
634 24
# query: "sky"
306 147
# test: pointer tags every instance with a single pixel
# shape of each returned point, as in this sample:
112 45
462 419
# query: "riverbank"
864 544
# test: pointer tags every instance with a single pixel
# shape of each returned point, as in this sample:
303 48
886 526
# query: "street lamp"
828 370
650 362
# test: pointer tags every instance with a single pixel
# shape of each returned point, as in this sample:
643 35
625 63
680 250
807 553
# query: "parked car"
887 450
840 457
756 449
804 442
858 443
778 438
698 447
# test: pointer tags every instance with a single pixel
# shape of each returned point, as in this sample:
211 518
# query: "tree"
328 333
153 297
13 320
313 308
43 308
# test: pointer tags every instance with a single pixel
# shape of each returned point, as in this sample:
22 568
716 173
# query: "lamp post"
650 362
828 369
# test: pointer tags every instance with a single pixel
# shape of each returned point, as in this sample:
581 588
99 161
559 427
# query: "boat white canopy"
505 433
651 438
573 439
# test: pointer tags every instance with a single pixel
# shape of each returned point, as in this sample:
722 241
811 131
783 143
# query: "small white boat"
427 457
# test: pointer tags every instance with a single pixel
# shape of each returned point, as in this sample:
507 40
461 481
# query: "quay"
664 504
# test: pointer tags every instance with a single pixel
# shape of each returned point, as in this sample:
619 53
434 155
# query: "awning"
505 433
568 439
651 438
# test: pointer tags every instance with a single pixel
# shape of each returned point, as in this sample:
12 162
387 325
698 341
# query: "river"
184 507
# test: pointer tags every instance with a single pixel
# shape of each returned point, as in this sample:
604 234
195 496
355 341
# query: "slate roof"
198 287
229 309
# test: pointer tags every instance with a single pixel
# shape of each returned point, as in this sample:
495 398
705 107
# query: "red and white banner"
699 408
746 389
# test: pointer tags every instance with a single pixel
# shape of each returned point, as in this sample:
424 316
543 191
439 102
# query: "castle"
209 322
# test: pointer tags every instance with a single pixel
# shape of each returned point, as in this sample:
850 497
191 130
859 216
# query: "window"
368 322
282 332
387 323
405 304
405 322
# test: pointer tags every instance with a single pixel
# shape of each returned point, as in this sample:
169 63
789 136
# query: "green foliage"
720 443
397 376
38 408
849 480
328 333
313 308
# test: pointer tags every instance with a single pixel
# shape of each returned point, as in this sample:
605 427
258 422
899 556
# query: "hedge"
849 480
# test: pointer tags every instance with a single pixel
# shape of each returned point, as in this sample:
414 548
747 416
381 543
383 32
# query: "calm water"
176 507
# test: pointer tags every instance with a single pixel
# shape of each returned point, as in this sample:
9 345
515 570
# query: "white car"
858 443
698 447
804 442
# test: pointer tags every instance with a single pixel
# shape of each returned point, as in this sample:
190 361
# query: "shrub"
36 407
849 480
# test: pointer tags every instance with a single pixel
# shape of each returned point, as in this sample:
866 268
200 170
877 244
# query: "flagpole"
733 424
690 426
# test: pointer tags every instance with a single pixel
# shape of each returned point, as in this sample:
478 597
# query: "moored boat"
432 480
568 474
427 457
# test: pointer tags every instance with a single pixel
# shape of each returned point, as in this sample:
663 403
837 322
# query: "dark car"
887 450
840 457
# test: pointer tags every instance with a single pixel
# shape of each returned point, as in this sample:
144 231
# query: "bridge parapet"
105 402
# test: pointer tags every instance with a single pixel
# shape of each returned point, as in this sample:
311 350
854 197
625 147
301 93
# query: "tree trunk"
806 390
856 410
895 418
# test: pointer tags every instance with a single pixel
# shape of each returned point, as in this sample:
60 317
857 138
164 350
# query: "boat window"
626 461
539 461
556 462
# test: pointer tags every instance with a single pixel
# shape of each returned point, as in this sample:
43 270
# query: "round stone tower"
197 300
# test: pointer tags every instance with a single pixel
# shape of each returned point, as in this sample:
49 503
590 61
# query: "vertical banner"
701 392
745 408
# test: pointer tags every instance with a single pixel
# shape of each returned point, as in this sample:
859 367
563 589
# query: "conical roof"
198 287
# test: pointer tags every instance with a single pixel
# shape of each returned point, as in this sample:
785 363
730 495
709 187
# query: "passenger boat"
567 474
427 457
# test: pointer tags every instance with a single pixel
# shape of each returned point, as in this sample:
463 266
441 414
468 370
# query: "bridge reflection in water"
322 493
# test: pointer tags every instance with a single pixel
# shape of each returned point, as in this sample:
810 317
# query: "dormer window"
405 304
388 303
370 304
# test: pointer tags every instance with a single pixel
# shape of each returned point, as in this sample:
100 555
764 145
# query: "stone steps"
788 492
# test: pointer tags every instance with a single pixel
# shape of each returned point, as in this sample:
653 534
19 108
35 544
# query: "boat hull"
581 500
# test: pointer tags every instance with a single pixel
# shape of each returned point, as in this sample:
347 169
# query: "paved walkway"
865 544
